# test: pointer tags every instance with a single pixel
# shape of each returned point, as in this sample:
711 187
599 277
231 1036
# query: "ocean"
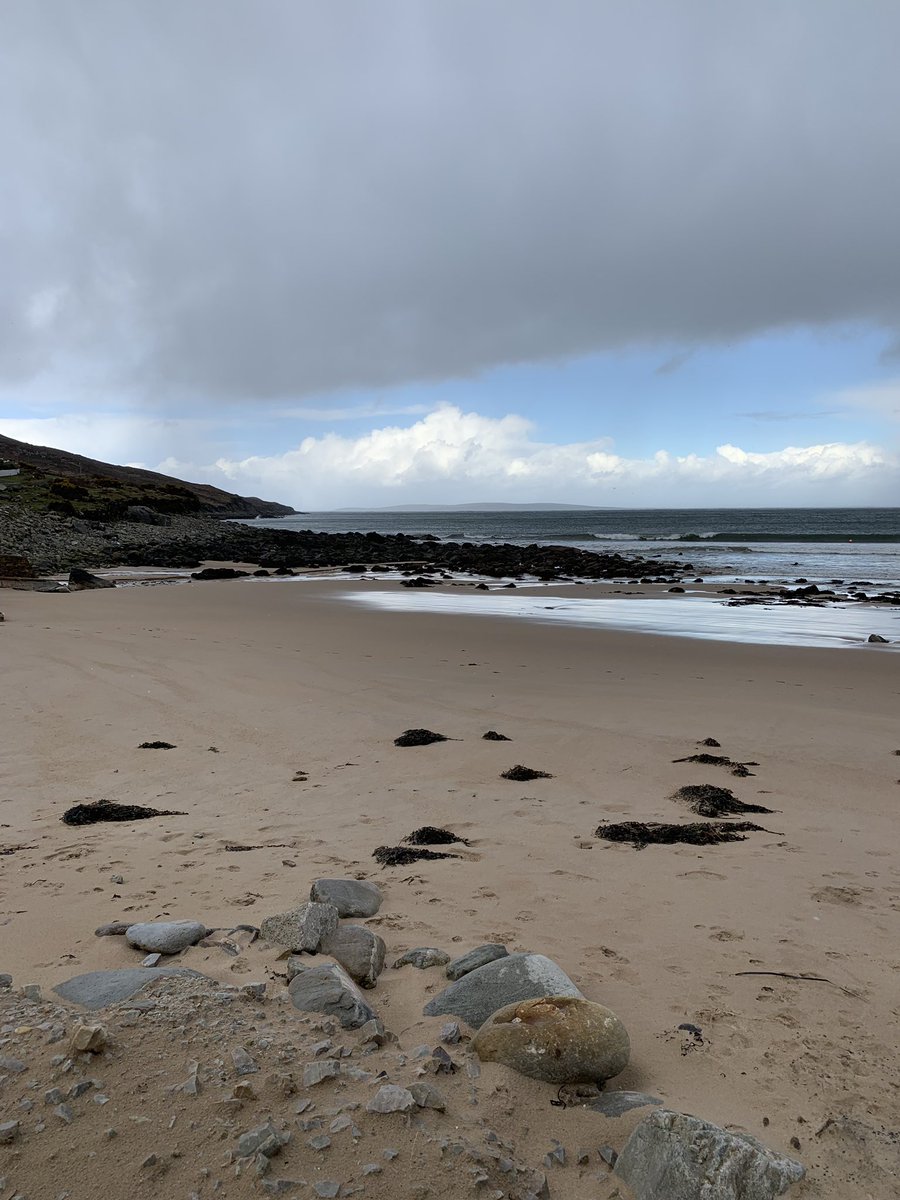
777 545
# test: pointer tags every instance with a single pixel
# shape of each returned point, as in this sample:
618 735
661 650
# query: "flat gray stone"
390 1099
505 981
302 928
329 989
670 1156
96 989
617 1104
359 951
351 897
474 959
422 957
14 1066
426 1095
165 937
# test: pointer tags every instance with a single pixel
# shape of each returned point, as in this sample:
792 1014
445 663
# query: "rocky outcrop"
670 1156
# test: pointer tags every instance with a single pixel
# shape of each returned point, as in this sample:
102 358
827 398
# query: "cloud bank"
455 457
248 202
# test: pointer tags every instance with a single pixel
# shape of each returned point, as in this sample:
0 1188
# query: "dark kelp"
639 834
108 810
719 760
402 856
709 801
432 835
419 737
493 736
523 774
156 746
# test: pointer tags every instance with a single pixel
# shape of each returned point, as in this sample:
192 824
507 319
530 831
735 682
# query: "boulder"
96 989
165 937
351 897
877 639
144 515
390 1099
507 980
558 1039
219 573
670 1156
359 951
302 928
474 959
329 989
422 957
81 581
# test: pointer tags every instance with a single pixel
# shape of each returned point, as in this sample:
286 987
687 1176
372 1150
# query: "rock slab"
329 989
558 1039
670 1156
302 928
505 981
96 989
165 937
474 959
359 951
351 897
422 957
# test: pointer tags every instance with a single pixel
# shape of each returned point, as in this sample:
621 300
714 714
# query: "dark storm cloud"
261 199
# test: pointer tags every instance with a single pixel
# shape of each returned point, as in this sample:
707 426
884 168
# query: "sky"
441 251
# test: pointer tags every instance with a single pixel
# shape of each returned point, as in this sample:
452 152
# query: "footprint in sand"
840 895
701 875
726 935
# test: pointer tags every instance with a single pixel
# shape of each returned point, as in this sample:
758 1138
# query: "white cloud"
450 456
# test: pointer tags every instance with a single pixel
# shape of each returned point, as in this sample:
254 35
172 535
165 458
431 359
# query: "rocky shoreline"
55 543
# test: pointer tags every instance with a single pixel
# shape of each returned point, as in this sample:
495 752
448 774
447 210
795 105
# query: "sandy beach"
287 680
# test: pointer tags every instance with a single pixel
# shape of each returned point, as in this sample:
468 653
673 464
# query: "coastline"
283 680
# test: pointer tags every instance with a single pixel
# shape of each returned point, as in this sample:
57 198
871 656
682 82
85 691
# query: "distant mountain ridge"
486 506
58 481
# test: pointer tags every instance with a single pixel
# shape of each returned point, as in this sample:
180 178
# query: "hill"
58 481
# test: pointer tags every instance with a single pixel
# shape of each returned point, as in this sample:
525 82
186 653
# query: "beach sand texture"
285 680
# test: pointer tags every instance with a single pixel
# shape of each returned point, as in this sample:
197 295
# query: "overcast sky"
349 252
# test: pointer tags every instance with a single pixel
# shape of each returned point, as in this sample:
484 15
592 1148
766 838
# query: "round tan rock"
559 1039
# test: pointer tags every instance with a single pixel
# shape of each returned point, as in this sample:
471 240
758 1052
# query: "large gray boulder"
81 580
165 937
351 897
670 1156
504 981
96 989
329 989
302 928
558 1039
359 951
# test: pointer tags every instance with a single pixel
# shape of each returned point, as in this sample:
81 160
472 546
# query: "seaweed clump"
108 810
419 737
719 760
710 742
432 835
493 736
709 801
156 746
402 856
640 834
523 774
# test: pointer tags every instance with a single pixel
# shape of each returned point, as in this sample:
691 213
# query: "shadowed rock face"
559 1039
505 981
670 1156
329 989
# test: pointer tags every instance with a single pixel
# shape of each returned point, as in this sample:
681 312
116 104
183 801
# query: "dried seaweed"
493 736
639 834
523 774
419 737
402 856
709 801
108 810
156 746
432 835
719 760
710 742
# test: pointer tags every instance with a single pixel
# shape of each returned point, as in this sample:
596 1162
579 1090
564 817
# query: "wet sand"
284 680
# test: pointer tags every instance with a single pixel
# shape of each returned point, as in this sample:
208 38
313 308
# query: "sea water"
779 545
